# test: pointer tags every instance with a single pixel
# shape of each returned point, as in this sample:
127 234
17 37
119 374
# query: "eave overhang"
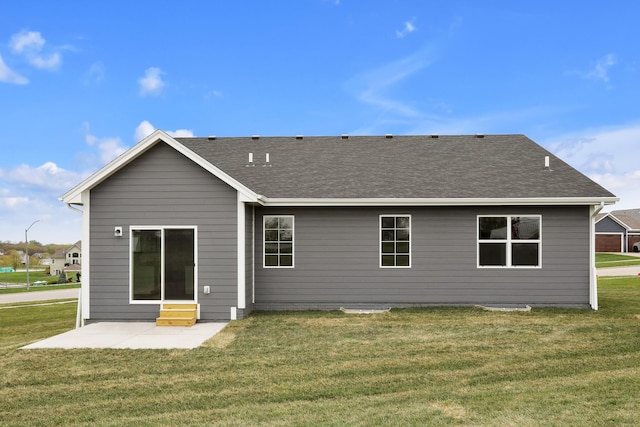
560 201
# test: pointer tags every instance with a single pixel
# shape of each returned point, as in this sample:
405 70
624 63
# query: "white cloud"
9 76
95 74
408 28
48 176
151 83
30 44
108 148
145 129
609 156
601 69
374 86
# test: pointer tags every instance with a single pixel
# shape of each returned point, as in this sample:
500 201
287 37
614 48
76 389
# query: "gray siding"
607 225
337 250
159 188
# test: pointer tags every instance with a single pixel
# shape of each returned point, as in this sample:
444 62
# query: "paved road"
38 295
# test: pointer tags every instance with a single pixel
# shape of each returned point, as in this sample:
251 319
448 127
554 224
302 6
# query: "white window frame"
508 241
162 228
293 242
380 240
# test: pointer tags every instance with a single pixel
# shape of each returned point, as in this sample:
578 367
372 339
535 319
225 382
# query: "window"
509 241
278 241
395 241
163 263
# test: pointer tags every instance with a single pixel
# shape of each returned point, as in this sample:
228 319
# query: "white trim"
593 277
565 201
253 256
380 240
241 254
75 194
85 268
162 229
508 241
293 239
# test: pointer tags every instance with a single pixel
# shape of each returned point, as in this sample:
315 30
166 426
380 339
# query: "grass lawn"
615 260
434 366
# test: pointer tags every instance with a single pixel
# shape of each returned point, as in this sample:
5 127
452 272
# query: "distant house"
261 223
618 230
66 259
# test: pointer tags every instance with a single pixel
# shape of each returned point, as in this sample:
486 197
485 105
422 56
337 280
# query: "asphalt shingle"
464 166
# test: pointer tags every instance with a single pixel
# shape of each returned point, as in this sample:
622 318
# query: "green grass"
434 366
615 260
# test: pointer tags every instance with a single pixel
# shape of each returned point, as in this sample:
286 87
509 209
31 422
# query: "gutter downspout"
593 277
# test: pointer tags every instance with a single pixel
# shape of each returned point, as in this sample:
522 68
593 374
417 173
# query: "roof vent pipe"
267 160
250 160
547 164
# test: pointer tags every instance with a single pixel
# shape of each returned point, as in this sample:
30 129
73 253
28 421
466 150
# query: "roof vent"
211 137
479 135
344 136
255 136
299 136
388 135
434 136
250 160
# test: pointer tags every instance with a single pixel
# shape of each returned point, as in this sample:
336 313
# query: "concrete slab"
132 335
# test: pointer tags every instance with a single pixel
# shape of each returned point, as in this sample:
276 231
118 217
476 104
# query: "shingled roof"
425 167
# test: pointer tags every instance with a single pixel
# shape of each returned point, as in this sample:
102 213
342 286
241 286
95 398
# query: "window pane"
493 254
270 223
146 264
286 260
525 228
271 248
286 235
179 263
402 260
387 247
271 260
388 222
388 260
402 222
271 235
402 235
492 227
402 247
388 235
286 223
286 248
524 254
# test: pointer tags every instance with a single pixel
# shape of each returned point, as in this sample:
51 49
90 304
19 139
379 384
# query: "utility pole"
26 249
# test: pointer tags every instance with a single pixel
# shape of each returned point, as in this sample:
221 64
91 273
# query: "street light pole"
26 249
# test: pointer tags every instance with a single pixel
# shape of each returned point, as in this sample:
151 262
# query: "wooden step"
175 321
177 315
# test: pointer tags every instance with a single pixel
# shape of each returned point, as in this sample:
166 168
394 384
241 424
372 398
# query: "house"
263 223
617 231
66 259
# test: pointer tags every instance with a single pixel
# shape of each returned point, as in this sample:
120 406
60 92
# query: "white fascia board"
577 201
74 196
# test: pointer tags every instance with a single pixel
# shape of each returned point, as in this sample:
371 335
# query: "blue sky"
80 82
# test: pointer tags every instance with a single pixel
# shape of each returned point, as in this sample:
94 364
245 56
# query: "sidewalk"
38 295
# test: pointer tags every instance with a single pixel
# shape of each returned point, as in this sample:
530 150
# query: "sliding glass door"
163 263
